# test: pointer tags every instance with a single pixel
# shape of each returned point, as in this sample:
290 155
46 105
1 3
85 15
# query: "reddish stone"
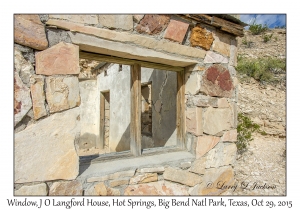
212 74
29 31
217 82
176 31
62 58
224 80
152 24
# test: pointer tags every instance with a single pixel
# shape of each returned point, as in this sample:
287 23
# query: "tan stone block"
156 188
94 44
205 144
85 19
229 135
124 22
194 121
212 57
221 44
33 18
112 176
62 58
217 120
96 189
223 103
45 151
233 53
201 37
34 190
62 93
153 170
204 101
66 188
221 155
198 166
181 176
176 31
113 191
215 177
118 182
38 97
30 32
144 178
192 84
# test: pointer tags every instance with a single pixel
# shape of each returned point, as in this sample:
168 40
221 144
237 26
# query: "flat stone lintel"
101 46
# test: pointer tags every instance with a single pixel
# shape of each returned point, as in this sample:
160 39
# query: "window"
144 99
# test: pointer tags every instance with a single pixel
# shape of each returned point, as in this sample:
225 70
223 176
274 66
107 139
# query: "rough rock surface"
124 22
181 176
66 188
23 67
62 58
222 44
176 31
217 120
97 189
38 97
22 99
84 19
152 24
62 93
217 82
27 52
205 144
213 180
29 31
201 37
265 160
34 190
276 47
49 147
156 188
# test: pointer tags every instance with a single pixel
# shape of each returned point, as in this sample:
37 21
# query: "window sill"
148 159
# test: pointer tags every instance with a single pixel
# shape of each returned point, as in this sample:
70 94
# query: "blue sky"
272 20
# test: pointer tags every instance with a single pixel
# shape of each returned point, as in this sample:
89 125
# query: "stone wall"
53 119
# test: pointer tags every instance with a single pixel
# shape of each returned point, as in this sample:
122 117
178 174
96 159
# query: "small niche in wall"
105 120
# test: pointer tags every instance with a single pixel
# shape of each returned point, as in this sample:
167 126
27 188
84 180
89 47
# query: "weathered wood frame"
135 107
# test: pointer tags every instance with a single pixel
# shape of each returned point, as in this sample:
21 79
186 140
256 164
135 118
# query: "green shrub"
245 129
266 37
246 42
261 69
257 28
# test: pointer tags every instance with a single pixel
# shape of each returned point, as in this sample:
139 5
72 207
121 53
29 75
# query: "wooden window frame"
135 108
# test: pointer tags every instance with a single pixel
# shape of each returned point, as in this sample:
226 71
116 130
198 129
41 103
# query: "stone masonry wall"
48 102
